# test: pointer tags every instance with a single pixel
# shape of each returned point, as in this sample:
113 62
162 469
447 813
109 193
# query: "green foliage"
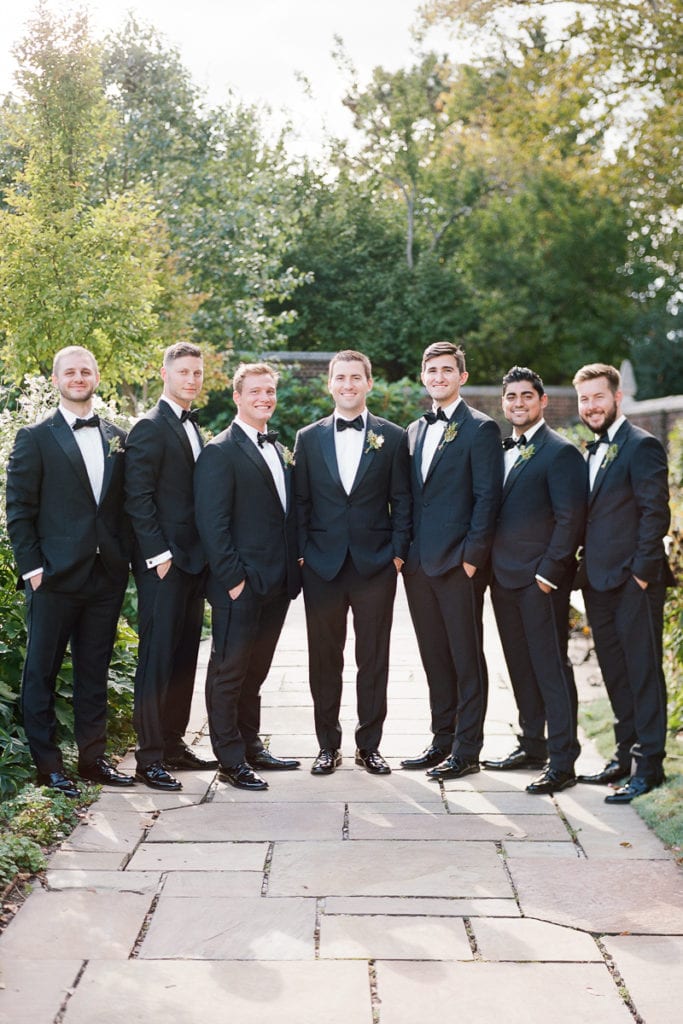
18 855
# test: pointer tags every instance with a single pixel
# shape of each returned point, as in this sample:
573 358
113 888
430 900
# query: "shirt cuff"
152 563
33 572
542 579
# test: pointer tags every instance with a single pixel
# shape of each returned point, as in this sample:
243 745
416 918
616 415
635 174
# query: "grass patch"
662 809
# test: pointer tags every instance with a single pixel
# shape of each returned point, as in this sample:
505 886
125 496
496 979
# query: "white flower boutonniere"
449 434
526 453
610 455
287 457
375 442
115 445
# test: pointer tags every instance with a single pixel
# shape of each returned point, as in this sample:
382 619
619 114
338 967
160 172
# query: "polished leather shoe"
427 759
326 762
612 772
59 782
186 760
241 776
373 762
103 773
519 758
264 760
156 777
636 786
551 781
453 767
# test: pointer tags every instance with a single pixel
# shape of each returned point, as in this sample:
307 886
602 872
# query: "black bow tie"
93 421
190 414
270 437
593 446
432 417
511 442
355 424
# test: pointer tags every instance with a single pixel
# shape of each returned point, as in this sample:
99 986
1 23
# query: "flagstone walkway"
353 899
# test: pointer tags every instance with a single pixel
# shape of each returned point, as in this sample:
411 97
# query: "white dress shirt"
596 459
188 426
271 457
89 440
433 435
512 454
348 446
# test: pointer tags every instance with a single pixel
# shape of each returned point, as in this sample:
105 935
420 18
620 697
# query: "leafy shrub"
19 854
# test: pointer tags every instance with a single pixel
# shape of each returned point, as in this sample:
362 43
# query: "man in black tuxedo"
246 521
539 529
353 499
72 544
457 469
169 568
624 575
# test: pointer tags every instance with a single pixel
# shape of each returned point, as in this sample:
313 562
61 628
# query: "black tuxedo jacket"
541 519
455 508
243 527
628 513
159 491
53 519
372 523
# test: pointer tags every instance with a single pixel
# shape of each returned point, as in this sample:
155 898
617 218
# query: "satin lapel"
176 426
457 421
420 431
368 456
521 463
252 453
621 440
328 450
288 476
107 434
64 436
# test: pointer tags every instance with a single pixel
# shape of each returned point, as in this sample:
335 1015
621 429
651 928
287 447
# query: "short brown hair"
181 349
257 368
71 350
445 348
349 355
593 370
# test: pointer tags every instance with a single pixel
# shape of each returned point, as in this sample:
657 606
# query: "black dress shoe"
551 781
453 767
104 774
241 776
612 772
59 782
186 759
517 759
427 759
156 777
326 762
373 762
636 786
264 760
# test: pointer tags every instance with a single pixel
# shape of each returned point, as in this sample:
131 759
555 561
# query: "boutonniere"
610 455
526 453
449 434
287 457
375 442
115 445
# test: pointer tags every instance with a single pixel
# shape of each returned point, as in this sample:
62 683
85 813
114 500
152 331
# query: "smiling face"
76 378
183 379
349 385
599 406
443 379
257 400
522 405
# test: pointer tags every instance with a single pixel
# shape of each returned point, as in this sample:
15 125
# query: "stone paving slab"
517 848
393 938
460 802
75 925
108 832
347 784
367 824
652 970
492 782
601 895
199 857
527 939
375 868
220 884
415 906
23 1001
251 822
608 831
209 928
480 993
142 800
288 992
141 882
83 861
